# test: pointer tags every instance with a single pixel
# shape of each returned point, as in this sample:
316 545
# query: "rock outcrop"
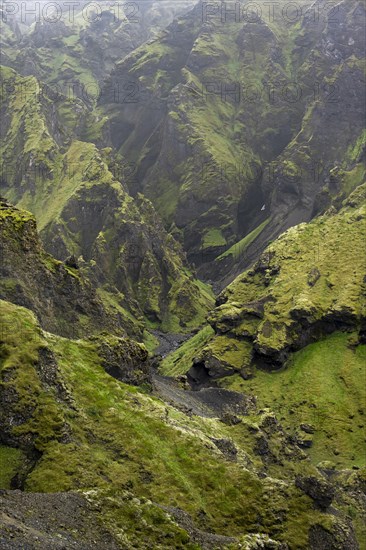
307 284
63 299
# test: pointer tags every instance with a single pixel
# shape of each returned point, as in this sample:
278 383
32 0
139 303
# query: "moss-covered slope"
63 299
291 330
124 243
74 48
83 209
76 428
231 122
308 283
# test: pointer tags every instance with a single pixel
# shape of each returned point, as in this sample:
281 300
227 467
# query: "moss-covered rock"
124 359
63 299
290 331
308 283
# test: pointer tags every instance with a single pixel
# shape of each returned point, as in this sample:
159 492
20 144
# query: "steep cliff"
241 120
84 209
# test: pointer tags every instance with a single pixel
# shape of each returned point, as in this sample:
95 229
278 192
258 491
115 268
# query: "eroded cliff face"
235 124
73 48
63 299
290 333
83 209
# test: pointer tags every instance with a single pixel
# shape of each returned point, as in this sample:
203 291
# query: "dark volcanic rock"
227 447
320 491
340 538
53 521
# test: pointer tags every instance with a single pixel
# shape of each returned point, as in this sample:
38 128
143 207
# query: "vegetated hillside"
291 332
215 468
213 137
308 283
84 210
62 298
240 122
140 466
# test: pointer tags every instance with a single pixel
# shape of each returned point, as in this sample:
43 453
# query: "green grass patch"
213 238
10 461
239 248
180 360
322 385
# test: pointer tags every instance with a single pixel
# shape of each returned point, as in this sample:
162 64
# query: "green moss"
113 301
23 341
167 199
320 386
355 150
71 40
213 238
10 461
180 360
139 522
11 218
49 262
8 284
137 434
352 178
189 302
28 137
232 352
120 444
150 341
154 52
286 287
239 248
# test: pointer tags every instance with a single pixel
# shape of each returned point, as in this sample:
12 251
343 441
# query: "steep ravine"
137 409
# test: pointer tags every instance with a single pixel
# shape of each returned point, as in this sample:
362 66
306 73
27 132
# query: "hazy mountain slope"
74 47
231 121
84 210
